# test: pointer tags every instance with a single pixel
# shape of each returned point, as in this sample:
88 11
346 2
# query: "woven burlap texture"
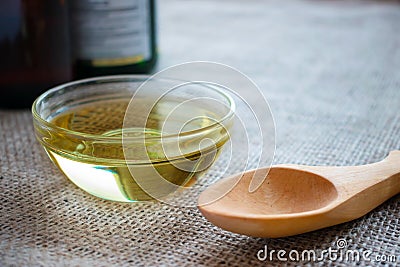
330 71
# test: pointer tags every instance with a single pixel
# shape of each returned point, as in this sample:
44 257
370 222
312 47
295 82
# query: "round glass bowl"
122 141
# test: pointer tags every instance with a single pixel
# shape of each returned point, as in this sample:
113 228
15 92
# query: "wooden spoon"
295 199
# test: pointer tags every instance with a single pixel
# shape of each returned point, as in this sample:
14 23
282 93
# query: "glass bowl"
121 143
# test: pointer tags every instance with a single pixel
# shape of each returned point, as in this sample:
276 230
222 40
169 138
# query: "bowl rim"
109 78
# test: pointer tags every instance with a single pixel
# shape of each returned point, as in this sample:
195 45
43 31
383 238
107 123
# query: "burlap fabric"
330 71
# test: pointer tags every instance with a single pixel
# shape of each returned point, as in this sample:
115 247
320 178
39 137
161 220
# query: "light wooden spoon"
295 199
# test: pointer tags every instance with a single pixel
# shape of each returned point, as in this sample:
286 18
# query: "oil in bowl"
85 129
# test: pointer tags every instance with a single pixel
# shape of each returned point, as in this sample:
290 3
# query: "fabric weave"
330 71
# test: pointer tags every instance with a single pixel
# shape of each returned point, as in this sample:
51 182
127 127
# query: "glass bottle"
34 49
113 37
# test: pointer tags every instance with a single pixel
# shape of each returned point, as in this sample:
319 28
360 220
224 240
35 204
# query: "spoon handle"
368 186
362 188
358 178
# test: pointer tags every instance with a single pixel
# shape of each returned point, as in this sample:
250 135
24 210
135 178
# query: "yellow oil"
100 167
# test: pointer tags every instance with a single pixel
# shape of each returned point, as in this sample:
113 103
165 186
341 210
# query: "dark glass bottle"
34 49
113 37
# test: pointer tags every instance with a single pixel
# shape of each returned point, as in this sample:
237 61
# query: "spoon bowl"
295 199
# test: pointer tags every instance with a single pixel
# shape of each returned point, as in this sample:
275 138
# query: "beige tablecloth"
331 73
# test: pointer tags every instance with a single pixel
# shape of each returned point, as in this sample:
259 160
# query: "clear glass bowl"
98 136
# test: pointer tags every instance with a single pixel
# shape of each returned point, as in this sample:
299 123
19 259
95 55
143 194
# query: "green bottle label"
111 32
